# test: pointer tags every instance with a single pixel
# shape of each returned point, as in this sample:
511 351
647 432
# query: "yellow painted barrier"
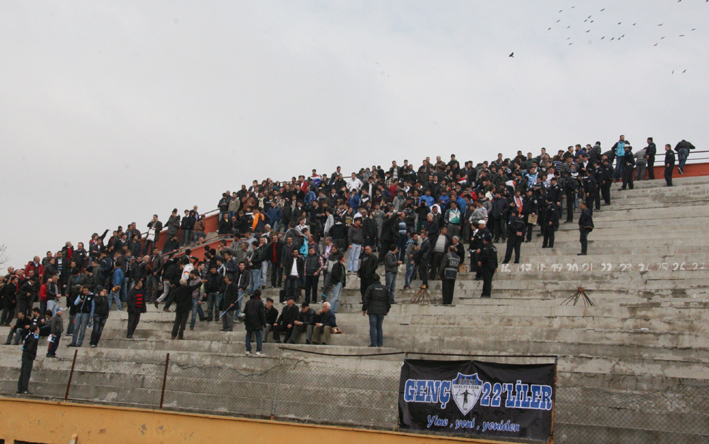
59 422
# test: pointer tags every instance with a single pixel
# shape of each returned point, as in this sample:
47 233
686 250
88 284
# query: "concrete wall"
51 422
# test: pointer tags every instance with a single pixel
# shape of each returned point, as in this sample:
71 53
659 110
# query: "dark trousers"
589 201
178 328
99 323
436 259
498 228
606 190
668 176
133 320
530 227
548 235
513 244
423 273
386 244
447 289
291 287
651 168
487 275
52 349
364 284
376 333
597 199
569 207
584 240
278 329
311 287
276 275
8 312
628 178
25 373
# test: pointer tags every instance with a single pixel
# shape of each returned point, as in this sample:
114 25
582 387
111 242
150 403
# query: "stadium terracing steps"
647 273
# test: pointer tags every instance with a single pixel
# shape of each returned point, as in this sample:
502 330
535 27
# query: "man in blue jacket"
118 278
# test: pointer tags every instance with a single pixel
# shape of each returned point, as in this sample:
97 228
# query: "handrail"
144 235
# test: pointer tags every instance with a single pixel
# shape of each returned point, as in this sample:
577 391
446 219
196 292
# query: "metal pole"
553 407
164 380
278 381
71 375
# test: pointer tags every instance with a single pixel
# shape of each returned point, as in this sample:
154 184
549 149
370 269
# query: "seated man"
271 318
324 323
20 329
285 321
304 323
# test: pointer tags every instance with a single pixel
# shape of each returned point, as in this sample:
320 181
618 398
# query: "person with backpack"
487 263
448 272
254 322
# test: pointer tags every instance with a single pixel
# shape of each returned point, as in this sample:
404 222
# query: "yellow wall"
53 422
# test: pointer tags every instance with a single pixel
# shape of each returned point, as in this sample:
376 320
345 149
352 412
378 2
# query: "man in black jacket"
254 321
530 207
515 236
212 286
368 269
271 318
628 165
487 264
29 353
498 216
608 173
669 164
448 273
682 149
551 222
585 227
286 321
293 272
376 304
100 317
650 152
183 300
231 296
422 257
304 323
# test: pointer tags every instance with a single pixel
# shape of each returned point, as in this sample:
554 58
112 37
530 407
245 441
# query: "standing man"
487 264
391 268
254 322
449 273
551 223
368 270
585 227
313 266
154 228
29 353
293 269
628 165
100 315
376 304
515 236
421 258
56 325
136 306
355 239
669 164
650 152
84 304
619 151
183 301
231 294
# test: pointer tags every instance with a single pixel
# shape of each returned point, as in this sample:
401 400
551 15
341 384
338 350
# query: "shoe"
371 345
202 319
278 341
568 222
52 356
129 337
248 353
71 345
27 392
156 304
173 338
92 346
478 279
166 310
180 338
7 343
307 342
259 354
191 328
18 392
581 254
393 302
208 319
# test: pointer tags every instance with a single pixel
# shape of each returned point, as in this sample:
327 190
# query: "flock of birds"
589 21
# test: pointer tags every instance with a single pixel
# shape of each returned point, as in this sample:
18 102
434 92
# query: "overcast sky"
112 111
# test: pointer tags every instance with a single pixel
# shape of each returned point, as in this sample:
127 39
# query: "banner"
477 398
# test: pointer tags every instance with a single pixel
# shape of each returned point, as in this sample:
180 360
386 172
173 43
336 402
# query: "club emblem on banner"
466 391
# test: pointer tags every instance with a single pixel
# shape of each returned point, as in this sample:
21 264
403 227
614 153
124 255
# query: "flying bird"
549 29
684 71
571 43
634 24
588 31
694 29
655 44
568 27
673 71
660 24
512 54
592 20
681 35
573 7
561 10
612 38
558 21
620 23
605 8
603 37
661 38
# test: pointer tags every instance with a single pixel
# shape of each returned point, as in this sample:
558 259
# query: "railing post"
553 407
71 375
164 380
278 381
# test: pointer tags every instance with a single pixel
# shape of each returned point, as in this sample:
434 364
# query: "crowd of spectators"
305 236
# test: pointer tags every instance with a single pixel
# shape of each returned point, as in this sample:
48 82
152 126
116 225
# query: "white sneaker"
259 354
247 354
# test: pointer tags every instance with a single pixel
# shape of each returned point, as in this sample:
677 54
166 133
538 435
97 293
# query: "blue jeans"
240 296
213 300
124 290
353 260
335 296
390 279
196 309
255 281
401 245
376 335
618 167
111 296
259 342
410 268
81 321
99 323
682 153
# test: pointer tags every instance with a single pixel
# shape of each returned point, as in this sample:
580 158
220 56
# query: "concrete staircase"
630 369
